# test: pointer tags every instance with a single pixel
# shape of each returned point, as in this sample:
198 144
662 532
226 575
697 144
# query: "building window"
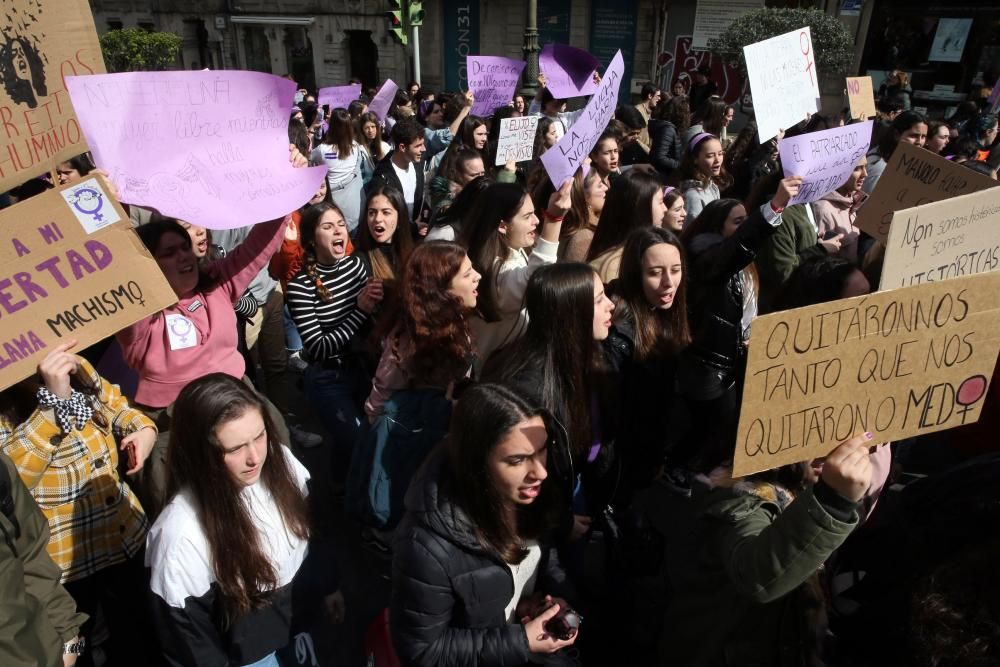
115 24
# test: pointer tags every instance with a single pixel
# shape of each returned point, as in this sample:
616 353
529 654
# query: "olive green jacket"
37 615
792 242
742 574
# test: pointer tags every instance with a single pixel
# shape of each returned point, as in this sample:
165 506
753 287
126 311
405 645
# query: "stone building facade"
325 42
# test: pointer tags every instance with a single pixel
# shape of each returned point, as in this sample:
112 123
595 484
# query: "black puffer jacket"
449 594
665 148
715 302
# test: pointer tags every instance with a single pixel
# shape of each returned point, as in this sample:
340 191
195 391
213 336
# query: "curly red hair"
435 320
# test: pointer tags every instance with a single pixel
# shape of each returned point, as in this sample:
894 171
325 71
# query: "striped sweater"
327 327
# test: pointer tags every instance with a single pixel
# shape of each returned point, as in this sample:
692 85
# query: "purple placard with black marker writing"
493 81
569 71
383 99
339 97
562 160
824 159
208 147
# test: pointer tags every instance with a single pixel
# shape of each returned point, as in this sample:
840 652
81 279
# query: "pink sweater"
146 344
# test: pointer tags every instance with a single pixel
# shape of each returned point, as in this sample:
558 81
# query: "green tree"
832 43
135 50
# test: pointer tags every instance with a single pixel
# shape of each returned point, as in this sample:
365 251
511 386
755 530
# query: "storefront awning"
274 20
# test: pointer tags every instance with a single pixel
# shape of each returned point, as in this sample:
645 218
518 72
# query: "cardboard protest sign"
783 82
562 160
895 364
517 139
947 239
339 97
207 147
569 71
914 176
861 97
73 268
383 99
493 81
44 40
824 159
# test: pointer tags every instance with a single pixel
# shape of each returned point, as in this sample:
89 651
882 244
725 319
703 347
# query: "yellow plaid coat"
95 520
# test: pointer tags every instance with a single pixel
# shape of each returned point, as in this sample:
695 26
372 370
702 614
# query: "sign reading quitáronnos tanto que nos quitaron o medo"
895 364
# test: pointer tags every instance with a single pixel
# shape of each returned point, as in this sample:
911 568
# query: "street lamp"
530 49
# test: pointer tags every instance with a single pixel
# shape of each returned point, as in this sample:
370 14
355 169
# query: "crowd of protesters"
505 371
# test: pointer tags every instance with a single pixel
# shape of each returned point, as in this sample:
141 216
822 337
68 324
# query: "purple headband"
697 138
667 190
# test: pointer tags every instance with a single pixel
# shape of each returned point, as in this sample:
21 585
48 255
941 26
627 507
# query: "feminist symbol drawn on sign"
87 201
90 205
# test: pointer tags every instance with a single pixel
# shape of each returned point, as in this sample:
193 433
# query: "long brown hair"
307 234
387 266
484 416
488 248
689 170
340 133
435 320
559 345
195 462
656 331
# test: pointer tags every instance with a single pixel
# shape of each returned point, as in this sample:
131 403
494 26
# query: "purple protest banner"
207 147
993 101
569 71
562 160
493 81
338 97
824 159
383 99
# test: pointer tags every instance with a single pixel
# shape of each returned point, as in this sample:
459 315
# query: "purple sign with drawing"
562 160
383 99
209 147
569 71
824 159
339 97
493 81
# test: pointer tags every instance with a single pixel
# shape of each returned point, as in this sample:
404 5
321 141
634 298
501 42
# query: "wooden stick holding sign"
72 268
912 177
896 364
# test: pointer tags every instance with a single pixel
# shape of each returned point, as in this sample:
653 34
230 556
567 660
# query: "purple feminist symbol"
180 327
89 202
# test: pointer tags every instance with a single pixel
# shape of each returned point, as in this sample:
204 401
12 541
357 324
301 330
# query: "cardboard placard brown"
912 177
896 364
947 239
72 268
861 97
46 40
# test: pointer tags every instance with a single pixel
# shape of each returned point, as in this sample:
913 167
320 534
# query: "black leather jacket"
665 146
711 363
449 593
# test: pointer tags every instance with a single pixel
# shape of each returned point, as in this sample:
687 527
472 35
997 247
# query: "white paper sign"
517 139
783 81
949 40
712 17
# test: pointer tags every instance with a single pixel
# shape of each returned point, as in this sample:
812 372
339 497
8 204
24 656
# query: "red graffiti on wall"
685 62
